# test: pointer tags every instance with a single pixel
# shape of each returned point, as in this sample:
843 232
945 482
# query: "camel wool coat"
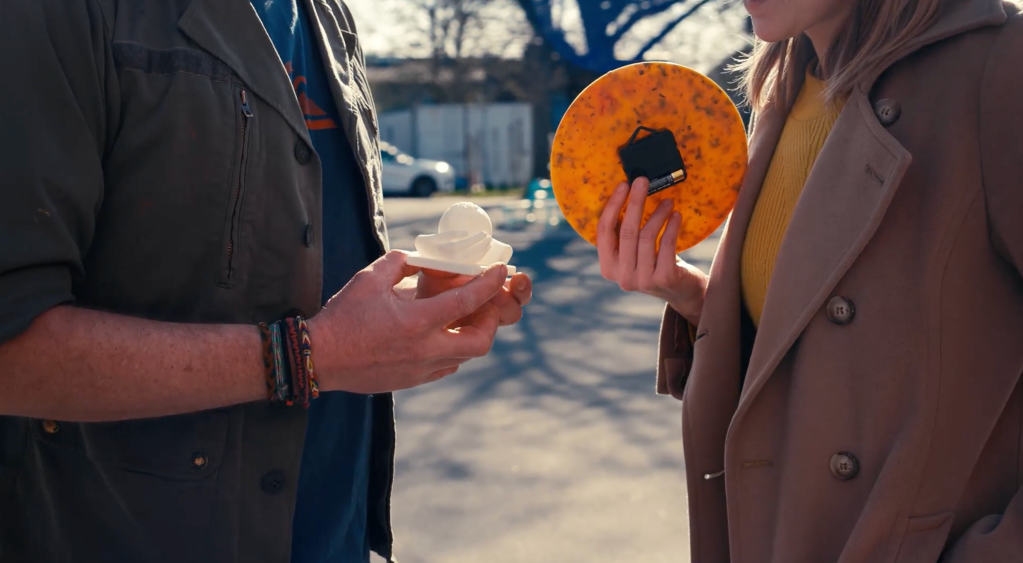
877 416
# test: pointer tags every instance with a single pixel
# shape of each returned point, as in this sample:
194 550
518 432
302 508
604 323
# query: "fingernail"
664 204
621 188
521 286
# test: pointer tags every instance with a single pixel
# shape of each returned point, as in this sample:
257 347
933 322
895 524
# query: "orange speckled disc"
585 167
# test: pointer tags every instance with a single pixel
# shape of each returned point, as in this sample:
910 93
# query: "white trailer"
490 144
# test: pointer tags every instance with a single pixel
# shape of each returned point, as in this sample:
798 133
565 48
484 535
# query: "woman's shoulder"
1012 29
1014 20
1005 63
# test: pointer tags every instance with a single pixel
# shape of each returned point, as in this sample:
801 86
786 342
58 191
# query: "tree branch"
669 28
636 16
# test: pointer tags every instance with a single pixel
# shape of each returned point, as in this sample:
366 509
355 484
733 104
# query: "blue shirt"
330 518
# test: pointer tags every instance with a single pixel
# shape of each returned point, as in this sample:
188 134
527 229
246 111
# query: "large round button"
844 466
51 426
307 238
273 482
841 310
887 111
302 153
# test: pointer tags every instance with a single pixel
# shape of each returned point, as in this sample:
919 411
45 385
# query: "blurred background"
482 84
554 447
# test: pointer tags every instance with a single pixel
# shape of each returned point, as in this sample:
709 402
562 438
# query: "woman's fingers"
646 258
666 255
628 234
607 232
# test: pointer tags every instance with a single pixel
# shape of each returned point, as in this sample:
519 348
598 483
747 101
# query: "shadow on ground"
554 447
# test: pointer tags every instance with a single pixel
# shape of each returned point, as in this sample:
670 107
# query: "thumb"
393 267
463 301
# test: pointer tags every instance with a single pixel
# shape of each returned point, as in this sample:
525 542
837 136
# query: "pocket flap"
184 447
925 538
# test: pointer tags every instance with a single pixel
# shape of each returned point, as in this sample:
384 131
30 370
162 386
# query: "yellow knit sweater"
806 129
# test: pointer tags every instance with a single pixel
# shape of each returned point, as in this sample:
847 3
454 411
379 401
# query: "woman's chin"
769 33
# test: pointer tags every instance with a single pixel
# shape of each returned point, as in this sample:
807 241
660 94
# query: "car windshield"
390 153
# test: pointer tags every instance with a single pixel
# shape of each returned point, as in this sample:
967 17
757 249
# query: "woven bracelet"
281 387
306 347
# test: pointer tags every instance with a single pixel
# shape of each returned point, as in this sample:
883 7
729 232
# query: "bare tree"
455 35
606 26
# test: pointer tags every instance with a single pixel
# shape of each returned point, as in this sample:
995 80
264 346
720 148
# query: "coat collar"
842 204
955 17
231 31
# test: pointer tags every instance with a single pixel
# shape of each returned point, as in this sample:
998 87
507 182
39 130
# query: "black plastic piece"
653 157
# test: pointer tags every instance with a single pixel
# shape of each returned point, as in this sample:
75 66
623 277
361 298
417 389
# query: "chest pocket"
176 173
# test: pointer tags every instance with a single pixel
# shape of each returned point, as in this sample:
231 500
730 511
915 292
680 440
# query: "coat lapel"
333 42
842 203
231 31
712 391
721 308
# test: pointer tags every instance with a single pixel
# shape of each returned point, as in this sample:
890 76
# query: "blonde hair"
877 30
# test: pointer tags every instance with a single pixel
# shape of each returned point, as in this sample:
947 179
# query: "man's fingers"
440 374
666 255
521 288
473 339
432 282
607 230
508 307
393 267
440 274
628 235
461 302
647 257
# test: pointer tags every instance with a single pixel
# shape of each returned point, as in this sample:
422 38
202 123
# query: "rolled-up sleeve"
674 354
53 126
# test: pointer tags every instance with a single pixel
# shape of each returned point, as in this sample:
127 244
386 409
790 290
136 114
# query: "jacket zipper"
246 116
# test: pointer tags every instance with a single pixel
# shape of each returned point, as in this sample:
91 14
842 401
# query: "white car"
417 177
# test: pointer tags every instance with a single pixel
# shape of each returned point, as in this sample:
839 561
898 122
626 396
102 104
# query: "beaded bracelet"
298 379
306 347
288 360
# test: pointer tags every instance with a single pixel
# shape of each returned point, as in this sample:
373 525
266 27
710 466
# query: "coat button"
887 111
51 426
841 310
307 238
844 466
199 461
273 482
302 153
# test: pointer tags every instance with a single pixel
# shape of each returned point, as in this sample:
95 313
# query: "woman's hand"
629 254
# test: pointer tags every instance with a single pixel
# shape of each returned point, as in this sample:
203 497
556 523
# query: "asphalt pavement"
554 448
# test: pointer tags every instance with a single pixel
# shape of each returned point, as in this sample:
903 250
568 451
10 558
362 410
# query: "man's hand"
509 302
371 339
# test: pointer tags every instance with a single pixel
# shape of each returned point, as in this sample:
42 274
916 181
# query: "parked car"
416 177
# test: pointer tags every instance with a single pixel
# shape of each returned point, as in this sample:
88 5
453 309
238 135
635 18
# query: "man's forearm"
80 365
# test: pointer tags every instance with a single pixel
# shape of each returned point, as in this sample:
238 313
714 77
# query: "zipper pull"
246 110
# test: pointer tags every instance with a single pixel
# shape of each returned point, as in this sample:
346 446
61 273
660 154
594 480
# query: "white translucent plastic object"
464 243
